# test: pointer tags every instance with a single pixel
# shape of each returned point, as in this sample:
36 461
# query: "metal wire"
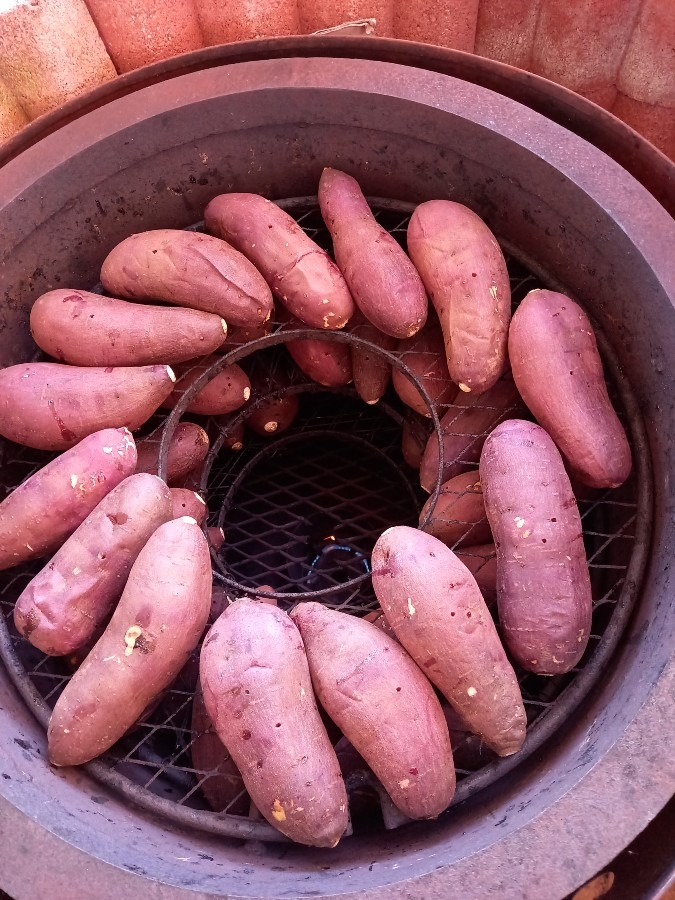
304 510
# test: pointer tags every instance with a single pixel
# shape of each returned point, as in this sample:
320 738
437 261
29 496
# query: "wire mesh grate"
301 513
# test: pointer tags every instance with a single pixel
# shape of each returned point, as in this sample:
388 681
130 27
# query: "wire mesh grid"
303 510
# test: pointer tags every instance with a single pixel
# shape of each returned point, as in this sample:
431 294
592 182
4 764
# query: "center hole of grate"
307 513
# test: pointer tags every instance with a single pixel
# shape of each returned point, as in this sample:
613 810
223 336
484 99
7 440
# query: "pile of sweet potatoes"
127 584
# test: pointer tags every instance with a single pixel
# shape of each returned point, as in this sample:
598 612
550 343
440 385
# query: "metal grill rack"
301 513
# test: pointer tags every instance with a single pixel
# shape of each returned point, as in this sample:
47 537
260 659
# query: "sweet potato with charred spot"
464 272
434 605
481 561
188 448
154 629
227 390
189 269
558 370
43 511
383 705
50 406
62 607
87 329
371 371
187 503
383 282
224 788
458 518
302 275
543 582
425 357
258 694
465 426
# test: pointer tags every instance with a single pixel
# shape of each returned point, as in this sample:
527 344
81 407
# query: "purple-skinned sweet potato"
558 370
189 269
86 329
47 508
154 629
188 448
438 613
302 275
458 518
61 609
50 406
464 272
258 694
543 582
383 705
383 281
464 427
423 354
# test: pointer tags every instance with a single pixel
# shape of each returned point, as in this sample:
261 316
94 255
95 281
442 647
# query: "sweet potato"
382 280
224 788
464 272
187 503
425 357
230 389
51 407
327 362
481 561
464 427
371 371
383 705
157 624
434 605
43 511
62 607
302 275
216 537
458 518
543 583
258 694
234 440
87 329
188 449
188 269
274 417
414 437
557 367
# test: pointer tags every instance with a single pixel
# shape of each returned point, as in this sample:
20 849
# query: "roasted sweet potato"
187 503
230 389
481 561
383 705
458 518
157 624
62 607
464 272
371 371
188 269
224 788
464 427
434 605
543 583
327 362
302 275
51 407
258 694
557 367
425 357
43 511
187 450
87 329
382 280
